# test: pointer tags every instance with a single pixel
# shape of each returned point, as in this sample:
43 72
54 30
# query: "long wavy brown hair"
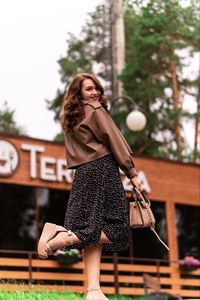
72 111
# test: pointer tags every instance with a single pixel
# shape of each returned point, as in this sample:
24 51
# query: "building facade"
35 186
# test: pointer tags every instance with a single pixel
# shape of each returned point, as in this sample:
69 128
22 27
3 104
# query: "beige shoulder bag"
141 215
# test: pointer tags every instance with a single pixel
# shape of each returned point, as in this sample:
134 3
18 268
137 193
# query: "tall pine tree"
158 34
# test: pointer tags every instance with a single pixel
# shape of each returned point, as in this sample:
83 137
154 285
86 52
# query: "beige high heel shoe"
93 295
49 231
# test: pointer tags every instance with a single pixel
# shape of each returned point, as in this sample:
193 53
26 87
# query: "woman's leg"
92 260
54 237
104 239
63 239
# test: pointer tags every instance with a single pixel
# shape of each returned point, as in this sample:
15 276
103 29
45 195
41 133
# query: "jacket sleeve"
107 132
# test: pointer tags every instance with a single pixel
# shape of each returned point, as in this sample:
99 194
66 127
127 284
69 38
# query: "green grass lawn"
39 296
51 296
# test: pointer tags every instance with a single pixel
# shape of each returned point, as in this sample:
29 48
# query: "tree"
7 121
196 151
90 52
158 34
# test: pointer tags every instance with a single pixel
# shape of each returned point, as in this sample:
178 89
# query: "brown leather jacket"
94 137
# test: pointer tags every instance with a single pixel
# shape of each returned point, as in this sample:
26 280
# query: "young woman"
97 210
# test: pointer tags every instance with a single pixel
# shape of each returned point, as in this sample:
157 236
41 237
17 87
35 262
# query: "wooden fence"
22 270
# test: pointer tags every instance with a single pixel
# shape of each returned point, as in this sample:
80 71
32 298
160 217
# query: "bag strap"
160 240
142 197
146 200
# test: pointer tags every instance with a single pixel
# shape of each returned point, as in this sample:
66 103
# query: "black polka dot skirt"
97 203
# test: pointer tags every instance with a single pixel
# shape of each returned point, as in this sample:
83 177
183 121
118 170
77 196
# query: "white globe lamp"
136 121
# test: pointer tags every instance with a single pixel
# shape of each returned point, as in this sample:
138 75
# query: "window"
22 216
17 217
188 230
145 243
52 206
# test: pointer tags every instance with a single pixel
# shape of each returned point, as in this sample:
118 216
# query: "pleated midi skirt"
97 203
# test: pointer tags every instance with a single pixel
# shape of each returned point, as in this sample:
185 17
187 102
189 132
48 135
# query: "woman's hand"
136 183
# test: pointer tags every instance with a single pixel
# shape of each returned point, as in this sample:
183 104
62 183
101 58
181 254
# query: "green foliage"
155 33
159 34
59 137
38 296
90 50
7 121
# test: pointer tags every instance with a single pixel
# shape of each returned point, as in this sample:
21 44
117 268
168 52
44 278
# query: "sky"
33 36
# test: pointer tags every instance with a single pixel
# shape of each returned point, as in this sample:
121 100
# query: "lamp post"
135 120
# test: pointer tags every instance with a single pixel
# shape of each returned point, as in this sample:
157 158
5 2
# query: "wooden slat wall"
50 275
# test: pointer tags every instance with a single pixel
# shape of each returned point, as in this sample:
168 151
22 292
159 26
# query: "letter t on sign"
33 153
